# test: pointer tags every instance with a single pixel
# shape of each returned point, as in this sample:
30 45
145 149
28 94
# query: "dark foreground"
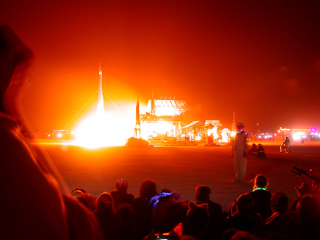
181 169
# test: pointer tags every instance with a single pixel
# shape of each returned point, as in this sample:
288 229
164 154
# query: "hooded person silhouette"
33 205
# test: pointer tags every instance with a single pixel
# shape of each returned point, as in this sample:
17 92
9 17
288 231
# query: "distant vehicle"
62 135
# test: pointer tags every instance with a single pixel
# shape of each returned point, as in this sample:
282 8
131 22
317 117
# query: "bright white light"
99 130
59 135
159 127
297 135
166 111
225 135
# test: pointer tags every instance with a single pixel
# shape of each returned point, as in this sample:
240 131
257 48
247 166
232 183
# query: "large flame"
156 128
102 129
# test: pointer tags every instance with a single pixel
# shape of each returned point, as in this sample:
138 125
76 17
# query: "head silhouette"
307 207
279 202
240 126
260 181
105 202
197 216
122 185
148 189
202 193
245 202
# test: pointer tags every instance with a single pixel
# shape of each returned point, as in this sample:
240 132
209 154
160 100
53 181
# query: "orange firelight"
103 129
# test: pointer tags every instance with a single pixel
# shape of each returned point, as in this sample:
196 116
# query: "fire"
159 127
233 134
103 129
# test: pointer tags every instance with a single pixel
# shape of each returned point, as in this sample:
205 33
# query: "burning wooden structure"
163 119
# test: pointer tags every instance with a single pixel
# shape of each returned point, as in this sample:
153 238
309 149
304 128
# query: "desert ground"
181 169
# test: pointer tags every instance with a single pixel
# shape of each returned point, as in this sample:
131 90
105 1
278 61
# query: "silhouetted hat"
240 125
245 201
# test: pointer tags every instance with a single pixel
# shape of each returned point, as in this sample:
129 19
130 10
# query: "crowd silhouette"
152 215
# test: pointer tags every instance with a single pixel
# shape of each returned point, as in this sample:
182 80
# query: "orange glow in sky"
221 57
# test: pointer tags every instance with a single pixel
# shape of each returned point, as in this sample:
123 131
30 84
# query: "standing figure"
285 146
240 153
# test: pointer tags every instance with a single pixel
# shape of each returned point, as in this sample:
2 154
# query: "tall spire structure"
152 105
137 128
100 102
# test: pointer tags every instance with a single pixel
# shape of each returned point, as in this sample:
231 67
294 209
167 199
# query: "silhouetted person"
305 223
244 218
33 205
285 146
168 211
82 199
260 151
80 193
277 221
164 196
253 151
197 222
261 196
121 195
240 153
215 212
304 189
142 207
127 217
109 221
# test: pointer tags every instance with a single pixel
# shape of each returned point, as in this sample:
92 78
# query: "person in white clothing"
240 153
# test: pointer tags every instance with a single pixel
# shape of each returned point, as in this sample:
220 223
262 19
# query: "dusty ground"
181 169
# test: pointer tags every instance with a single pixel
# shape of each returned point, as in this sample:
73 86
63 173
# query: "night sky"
259 59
